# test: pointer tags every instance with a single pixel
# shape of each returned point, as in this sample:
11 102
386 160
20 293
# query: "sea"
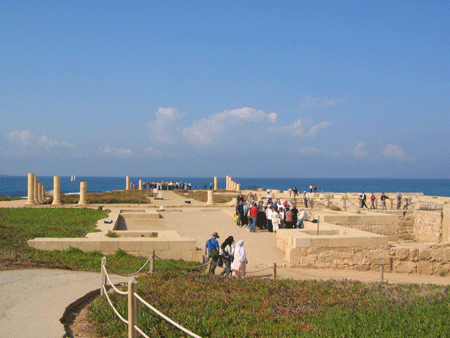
16 186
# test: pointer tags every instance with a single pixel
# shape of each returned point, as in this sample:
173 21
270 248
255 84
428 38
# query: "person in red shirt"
252 219
372 200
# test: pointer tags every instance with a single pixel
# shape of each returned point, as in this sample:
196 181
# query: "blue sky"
242 88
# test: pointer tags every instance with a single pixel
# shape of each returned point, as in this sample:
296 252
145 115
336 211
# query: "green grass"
222 307
8 198
109 197
17 225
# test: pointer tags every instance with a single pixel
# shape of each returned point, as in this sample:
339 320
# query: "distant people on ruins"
212 251
383 199
240 260
226 251
372 201
204 186
250 198
294 215
305 199
210 186
290 192
363 200
315 188
310 188
269 197
295 191
399 199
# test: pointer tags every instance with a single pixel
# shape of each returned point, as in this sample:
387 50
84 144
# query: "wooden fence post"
152 262
274 271
132 309
102 276
381 273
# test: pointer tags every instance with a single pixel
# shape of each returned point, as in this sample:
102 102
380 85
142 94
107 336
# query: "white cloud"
162 129
309 102
393 150
154 151
359 150
208 130
301 128
337 154
309 151
115 151
27 139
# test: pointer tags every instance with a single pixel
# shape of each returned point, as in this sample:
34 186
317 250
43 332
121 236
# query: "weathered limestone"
210 200
446 225
30 200
40 199
238 187
56 191
140 185
83 191
36 197
216 183
127 183
44 199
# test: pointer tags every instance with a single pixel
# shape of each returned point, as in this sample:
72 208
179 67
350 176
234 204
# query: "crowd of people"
383 199
271 215
162 185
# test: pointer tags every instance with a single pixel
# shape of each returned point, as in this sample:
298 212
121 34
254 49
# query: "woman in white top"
275 220
240 260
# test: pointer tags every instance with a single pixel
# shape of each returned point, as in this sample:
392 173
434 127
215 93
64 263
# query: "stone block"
87 245
402 254
150 244
425 268
301 242
130 244
66 243
424 254
337 242
359 241
319 242
437 254
405 267
182 245
108 245
293 256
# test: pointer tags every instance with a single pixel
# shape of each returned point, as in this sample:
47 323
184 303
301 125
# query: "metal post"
274 271
132 309
102 276
381 273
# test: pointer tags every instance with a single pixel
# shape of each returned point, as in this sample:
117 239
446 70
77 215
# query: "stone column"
40 193
226 182
56 191
216 183
210 197
238 187
30 200
35 188
44 199
140 184
127 183
83 190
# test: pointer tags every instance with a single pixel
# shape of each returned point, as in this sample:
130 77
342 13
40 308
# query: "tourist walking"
372 201
240 260
310 188
383 199
399 199
226 250
305 199
363 200
212 251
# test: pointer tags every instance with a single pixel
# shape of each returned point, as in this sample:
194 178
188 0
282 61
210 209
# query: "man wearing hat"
212 251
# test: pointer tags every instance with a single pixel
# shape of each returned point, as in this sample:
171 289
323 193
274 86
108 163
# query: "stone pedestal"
140 184
127 183
36 193
83 191
56 191
210 197
30 200
216 183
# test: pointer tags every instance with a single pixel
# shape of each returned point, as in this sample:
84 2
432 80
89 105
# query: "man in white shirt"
301 218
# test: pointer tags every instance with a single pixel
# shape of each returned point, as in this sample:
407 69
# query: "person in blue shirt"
212 251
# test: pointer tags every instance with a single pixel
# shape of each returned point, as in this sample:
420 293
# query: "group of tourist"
383 199
295 191
232 256
271 215
161 185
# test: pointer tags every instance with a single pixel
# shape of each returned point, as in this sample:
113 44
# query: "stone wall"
422 260
428 226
